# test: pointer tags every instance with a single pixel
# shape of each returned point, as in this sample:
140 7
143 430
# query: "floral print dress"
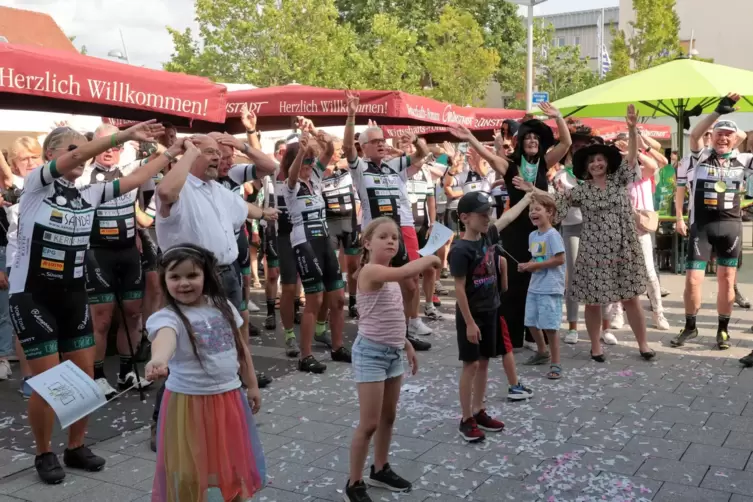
610 265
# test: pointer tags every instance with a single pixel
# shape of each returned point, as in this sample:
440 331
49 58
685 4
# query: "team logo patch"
53 265
56 216
108 231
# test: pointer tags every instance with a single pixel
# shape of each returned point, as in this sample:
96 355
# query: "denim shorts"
376 362
543 311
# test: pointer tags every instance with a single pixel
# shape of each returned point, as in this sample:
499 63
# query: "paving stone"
671 492
12 461
5 498
18 481
460 457
609 486
275 424
313 431
716 455
725 479
328 485
740 498
631 409
270 494
71 486
657 447
127 473
645 427
702 435
337 460
695 389
662 469
731 422
612 438
741 440
585 418
302 452
291 476
410 448
681 416
615 462
271 441
507 466
718 404
451 481
495 487
107 492
666 399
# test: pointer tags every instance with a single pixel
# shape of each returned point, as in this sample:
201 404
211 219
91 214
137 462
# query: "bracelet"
169 156
350 123
114 140
250 131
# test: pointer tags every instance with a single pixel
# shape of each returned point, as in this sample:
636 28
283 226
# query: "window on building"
577 41
558 42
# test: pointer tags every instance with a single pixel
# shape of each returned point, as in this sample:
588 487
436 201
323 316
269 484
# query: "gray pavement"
676 429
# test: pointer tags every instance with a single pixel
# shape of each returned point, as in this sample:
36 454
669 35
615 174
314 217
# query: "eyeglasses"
377 142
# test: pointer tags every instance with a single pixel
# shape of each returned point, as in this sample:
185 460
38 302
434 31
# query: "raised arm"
295 167
632 121
145 131
422 151
349 136
169 188
6 175
248 118
499 164
144 173
648 164
263 163
726 105
560 149
512 214
375 274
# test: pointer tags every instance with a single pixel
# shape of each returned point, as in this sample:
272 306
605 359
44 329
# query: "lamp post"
115 53
529 66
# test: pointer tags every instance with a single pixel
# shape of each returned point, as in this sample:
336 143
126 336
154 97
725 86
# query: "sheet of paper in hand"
70 392
440 235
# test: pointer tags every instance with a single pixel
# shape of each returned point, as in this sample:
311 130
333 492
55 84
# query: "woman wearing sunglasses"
48 301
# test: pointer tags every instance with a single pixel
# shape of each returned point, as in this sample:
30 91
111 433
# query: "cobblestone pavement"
676 429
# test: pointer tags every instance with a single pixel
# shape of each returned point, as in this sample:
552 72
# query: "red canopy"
277 107
57 81
609 129
485 121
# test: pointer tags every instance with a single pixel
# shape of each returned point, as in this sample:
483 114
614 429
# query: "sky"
97 23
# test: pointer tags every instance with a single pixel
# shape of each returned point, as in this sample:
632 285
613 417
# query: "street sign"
539 97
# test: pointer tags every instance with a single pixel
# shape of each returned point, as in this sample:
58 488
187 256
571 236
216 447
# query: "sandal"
538 359
601 358
555 372
648 355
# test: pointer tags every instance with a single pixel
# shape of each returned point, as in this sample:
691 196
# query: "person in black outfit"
532 157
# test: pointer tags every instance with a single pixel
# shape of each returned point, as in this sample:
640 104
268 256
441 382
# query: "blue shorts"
376 362
543 311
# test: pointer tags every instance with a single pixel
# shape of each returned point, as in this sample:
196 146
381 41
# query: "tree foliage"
653 38
560 70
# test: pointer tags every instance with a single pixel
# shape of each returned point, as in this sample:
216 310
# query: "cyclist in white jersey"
48 303
382 189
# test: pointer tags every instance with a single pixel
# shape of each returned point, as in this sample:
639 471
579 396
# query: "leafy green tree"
653 38
459 65
83 50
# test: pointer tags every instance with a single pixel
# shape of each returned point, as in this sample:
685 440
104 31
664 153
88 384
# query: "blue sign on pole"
540 97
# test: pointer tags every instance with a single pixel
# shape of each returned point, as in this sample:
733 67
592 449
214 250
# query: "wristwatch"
170 156
250 131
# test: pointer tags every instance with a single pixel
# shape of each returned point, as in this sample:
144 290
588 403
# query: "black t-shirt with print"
476 261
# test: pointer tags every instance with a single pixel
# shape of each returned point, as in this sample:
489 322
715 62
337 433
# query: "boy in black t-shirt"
473 265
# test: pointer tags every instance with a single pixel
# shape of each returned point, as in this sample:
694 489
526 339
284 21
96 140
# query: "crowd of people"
163 251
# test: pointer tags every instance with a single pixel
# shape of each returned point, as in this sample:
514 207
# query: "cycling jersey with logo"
420 188
306 209
284 226
471 181
383 189
237 176
55 222
114 220
716 184
337 191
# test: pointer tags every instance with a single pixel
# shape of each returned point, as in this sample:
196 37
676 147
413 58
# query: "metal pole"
529 66
125 49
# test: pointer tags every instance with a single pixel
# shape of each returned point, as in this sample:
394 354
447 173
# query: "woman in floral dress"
610 266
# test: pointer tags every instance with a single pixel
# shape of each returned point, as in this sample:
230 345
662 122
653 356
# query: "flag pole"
601 45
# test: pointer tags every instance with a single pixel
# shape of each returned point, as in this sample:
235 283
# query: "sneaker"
253 331
519 392
470 432
252 307
106 388
26 389
431 312
356 492
617 322
722 340
49 469
325 338
262 380
487 423
664 292
311 365
571 336
341 355
416 327
270 322
297 318
436 301
387 479
5 371
608 338
440 289
747 361
537 359
83 458
153 437
660 322
684 336
444 274
130 380
740 299
291 347
530 346
418 345
353 311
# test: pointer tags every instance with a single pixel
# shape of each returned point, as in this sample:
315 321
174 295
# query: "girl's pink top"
380 315
641 194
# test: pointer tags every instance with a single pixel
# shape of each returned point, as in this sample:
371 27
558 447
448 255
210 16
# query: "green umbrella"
679 89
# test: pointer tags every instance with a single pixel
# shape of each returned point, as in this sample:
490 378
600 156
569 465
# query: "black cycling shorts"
269 246
341 232
149 252
723 237
113 270
286 260
51 321
318 266
244 254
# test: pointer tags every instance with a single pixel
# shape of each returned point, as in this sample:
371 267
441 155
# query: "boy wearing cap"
473 267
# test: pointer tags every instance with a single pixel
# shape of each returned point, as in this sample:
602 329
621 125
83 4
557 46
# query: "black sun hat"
540 129
580 159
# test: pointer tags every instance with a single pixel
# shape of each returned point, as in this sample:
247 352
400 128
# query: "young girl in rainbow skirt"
207 443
